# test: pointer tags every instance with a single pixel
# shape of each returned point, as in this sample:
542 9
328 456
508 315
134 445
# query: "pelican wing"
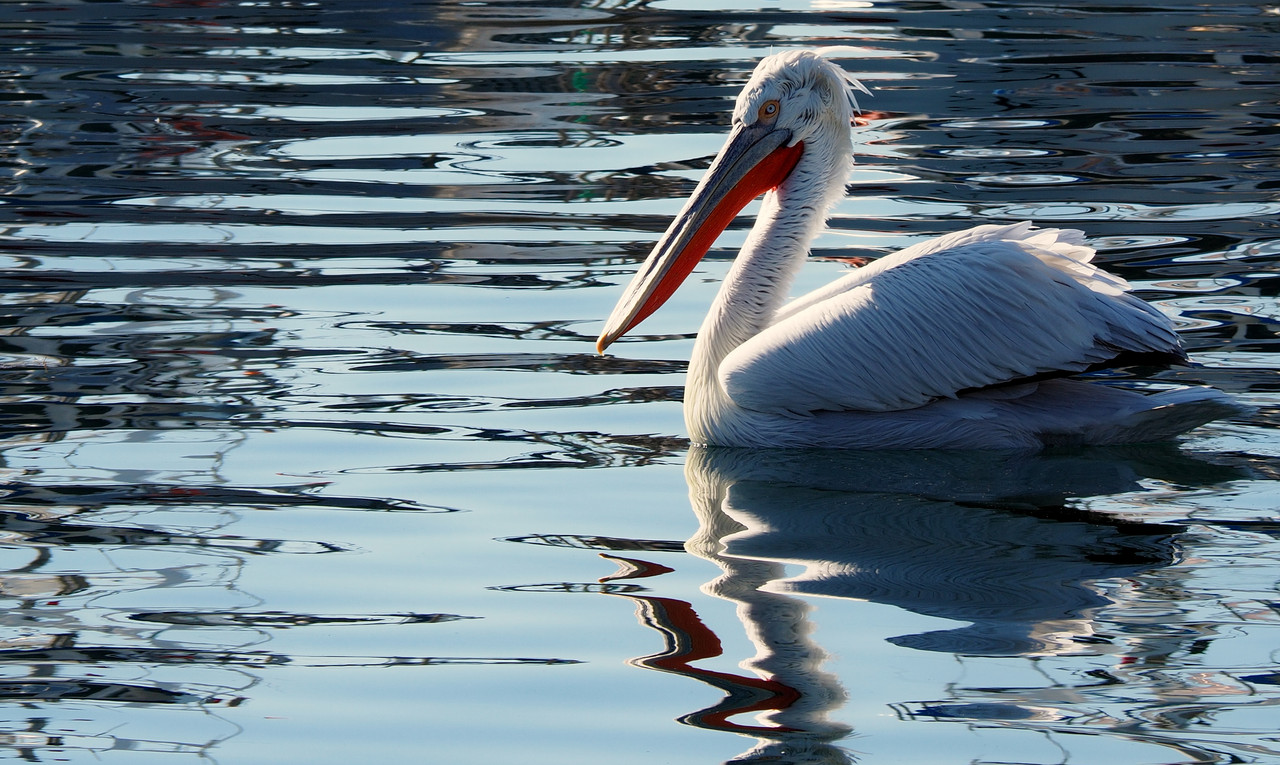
1005 304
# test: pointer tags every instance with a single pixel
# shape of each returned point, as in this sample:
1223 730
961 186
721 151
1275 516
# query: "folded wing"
993 305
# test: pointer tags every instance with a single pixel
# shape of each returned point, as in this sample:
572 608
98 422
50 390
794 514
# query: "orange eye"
768 110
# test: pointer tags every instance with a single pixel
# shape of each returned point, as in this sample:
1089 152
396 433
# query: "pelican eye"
768 110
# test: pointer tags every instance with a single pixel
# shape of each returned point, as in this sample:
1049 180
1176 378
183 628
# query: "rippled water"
307 455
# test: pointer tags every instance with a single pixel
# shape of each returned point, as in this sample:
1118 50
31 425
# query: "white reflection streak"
218 77
250 234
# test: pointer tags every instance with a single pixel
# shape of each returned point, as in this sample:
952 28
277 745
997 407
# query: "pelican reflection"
991 541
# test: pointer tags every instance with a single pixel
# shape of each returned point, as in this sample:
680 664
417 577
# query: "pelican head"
791 121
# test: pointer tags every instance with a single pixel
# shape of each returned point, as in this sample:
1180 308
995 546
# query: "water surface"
307 455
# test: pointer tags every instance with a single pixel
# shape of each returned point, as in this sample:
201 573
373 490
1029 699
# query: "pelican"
967 341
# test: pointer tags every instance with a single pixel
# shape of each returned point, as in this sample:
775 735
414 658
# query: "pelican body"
964 341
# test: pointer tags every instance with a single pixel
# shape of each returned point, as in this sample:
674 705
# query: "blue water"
307 455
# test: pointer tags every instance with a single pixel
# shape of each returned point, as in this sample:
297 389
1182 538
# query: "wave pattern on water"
298 310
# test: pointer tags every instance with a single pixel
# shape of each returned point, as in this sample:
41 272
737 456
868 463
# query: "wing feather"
944 320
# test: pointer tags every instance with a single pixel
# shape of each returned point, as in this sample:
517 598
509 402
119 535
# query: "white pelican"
964 341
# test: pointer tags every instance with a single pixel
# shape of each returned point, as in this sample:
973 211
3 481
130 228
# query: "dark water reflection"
298 309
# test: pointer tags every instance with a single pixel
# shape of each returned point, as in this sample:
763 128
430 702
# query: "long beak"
756 158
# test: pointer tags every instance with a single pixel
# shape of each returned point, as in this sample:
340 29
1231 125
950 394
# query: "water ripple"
298 314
